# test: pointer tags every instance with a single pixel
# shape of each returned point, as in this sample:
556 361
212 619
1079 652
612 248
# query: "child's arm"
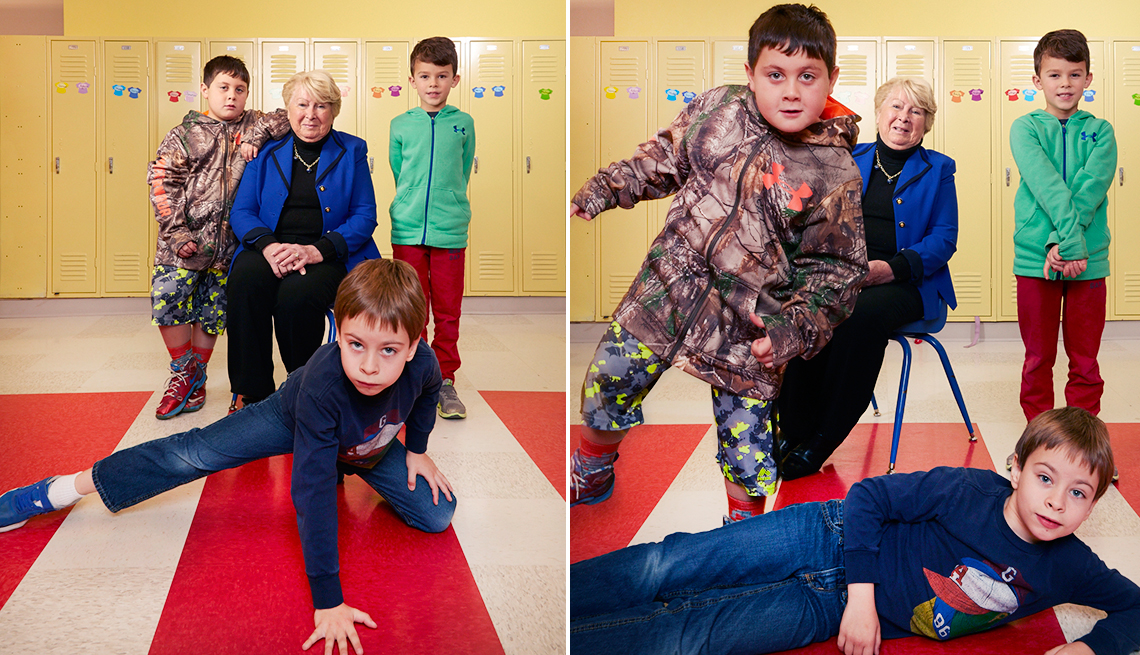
469 153
1106 589
395 151
418 427
167 176
859 631
265 128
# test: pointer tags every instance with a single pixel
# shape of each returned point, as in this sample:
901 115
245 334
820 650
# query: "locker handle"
1007 176
110 165
57 165
528 164
476 163
1121 176
371 165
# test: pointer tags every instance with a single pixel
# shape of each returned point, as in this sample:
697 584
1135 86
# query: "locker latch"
57 165
528 164
371 165
476 163
1121 176
110 165
1007 176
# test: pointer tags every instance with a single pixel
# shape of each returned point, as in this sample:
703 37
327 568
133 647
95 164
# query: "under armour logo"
459 130
1088 136
773 178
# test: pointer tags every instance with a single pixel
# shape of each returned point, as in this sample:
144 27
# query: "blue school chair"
921 331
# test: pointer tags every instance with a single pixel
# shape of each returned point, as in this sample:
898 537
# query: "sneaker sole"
13 526
596 499
451 416
182 407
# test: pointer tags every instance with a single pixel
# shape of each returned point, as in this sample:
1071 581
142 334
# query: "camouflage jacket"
193 180
762 222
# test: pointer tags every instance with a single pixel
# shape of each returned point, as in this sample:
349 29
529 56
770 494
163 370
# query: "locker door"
914 58
584 300
24 168
1016 75
280 60
858 62
623 125
544 167
73 160
965 119
247 52
341 60
1125 278
387 95
127 217
729 59
680 77
178 83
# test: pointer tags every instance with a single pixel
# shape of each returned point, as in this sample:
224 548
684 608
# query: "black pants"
259 301
826 395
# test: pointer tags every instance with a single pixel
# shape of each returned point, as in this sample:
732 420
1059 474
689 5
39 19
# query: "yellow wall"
288 18
965 18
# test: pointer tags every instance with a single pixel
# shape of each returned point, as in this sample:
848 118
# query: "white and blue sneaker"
19 505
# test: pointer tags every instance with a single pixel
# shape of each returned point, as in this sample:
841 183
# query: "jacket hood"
447 109
1045 118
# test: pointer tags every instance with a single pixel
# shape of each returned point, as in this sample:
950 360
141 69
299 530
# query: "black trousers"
826 395
258 301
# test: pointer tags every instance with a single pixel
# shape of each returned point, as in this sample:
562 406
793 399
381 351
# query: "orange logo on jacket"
798 195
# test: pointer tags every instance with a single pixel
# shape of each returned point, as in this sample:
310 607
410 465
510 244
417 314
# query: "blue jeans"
768 583
258 431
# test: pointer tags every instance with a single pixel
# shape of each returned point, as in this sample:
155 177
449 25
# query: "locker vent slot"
179 69
1021 71
281 68
544 266
127 267
968 287
910 65
127 70
853 70
492 265
73 267
337 66
967 72
386 68
682 71
619 284
543 69
624 70
1130 77
1013 289
74 68
1132 287
733 70
491 69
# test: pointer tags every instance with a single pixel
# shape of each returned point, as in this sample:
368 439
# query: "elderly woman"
910 213
303 215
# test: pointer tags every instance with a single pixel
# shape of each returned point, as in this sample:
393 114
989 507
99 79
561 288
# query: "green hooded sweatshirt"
1066 171
431 163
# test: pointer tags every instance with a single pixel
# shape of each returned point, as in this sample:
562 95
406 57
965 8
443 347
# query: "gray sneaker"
450 406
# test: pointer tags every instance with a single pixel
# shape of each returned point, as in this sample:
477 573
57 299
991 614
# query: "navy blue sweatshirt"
333 421
946 563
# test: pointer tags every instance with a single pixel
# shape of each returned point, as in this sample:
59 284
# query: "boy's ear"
455 81
204 89
1088 80
834 79
1015 472
412 348
1037 83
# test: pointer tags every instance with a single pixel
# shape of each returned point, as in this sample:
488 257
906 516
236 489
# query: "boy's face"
791 91
226 96
433 83
1052 495
1063 82
373 357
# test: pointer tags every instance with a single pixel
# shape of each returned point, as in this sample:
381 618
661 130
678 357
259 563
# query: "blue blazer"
344 187
926 221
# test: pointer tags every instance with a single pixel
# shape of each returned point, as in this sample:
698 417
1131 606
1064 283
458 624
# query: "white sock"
62 493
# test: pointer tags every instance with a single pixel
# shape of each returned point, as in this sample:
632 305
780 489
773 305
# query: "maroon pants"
441 275
1078 307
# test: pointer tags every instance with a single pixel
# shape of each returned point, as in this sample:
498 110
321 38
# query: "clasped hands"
286 258
1067 268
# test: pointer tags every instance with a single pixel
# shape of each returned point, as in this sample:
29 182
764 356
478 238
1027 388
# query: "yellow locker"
583 125
23 168
729 59
387 94
280 60
341 60
1125 279
246 51
543 188
858 62
126 217
680 77
75 88
177 84
491 243
623 116
964 118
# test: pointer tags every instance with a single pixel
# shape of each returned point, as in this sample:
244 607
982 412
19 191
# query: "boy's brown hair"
386 292
790 29
1069 45
231 66
1075 430
438 50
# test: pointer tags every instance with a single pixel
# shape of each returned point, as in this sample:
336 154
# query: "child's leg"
172 310
744 437
419 258
447 269
1038 318
1082 327
768 584
390 479
210 321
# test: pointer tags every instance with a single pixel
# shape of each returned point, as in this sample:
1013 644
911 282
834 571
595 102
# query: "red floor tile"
537 419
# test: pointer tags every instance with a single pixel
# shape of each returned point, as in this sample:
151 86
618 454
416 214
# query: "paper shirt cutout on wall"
611 92
174 95
118 89
956 95
976 94
671 94
377 92
395 90
82 87
191 96
1089 93
61 87
688 96
498 90
479 91
544 94
633 91
1012 94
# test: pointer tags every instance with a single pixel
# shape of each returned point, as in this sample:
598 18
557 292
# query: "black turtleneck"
301 221
879 210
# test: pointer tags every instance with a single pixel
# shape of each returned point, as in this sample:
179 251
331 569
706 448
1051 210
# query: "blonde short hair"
916 90
319 85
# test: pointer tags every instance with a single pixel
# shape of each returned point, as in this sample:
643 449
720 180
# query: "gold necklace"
878 165
309 167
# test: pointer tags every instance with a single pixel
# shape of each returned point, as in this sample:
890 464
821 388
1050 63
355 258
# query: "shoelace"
582 470
182 377
26 503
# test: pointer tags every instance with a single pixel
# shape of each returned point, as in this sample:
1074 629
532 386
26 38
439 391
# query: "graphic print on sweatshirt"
378 437
975 596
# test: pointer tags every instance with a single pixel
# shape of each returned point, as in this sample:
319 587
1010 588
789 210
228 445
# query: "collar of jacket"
914 168
195 117
331 153
836 128
447 109
1052 122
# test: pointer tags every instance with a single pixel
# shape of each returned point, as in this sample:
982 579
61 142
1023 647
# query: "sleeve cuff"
786 341
861 567
339 245
255 238
909 266
325 246
326 591
416 442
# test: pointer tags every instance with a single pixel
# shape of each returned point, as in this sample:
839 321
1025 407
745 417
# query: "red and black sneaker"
186 377
591 478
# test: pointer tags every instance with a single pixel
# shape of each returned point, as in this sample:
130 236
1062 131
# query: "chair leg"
875 405
900 404
332 325
953 384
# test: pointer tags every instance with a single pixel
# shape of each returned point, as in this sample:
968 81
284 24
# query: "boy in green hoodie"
431 150
1066 158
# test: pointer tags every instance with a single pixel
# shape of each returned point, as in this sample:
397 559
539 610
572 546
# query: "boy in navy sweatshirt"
340 412
942 553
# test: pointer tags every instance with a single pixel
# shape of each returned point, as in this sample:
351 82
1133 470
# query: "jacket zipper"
1064 154
427 197
709 250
